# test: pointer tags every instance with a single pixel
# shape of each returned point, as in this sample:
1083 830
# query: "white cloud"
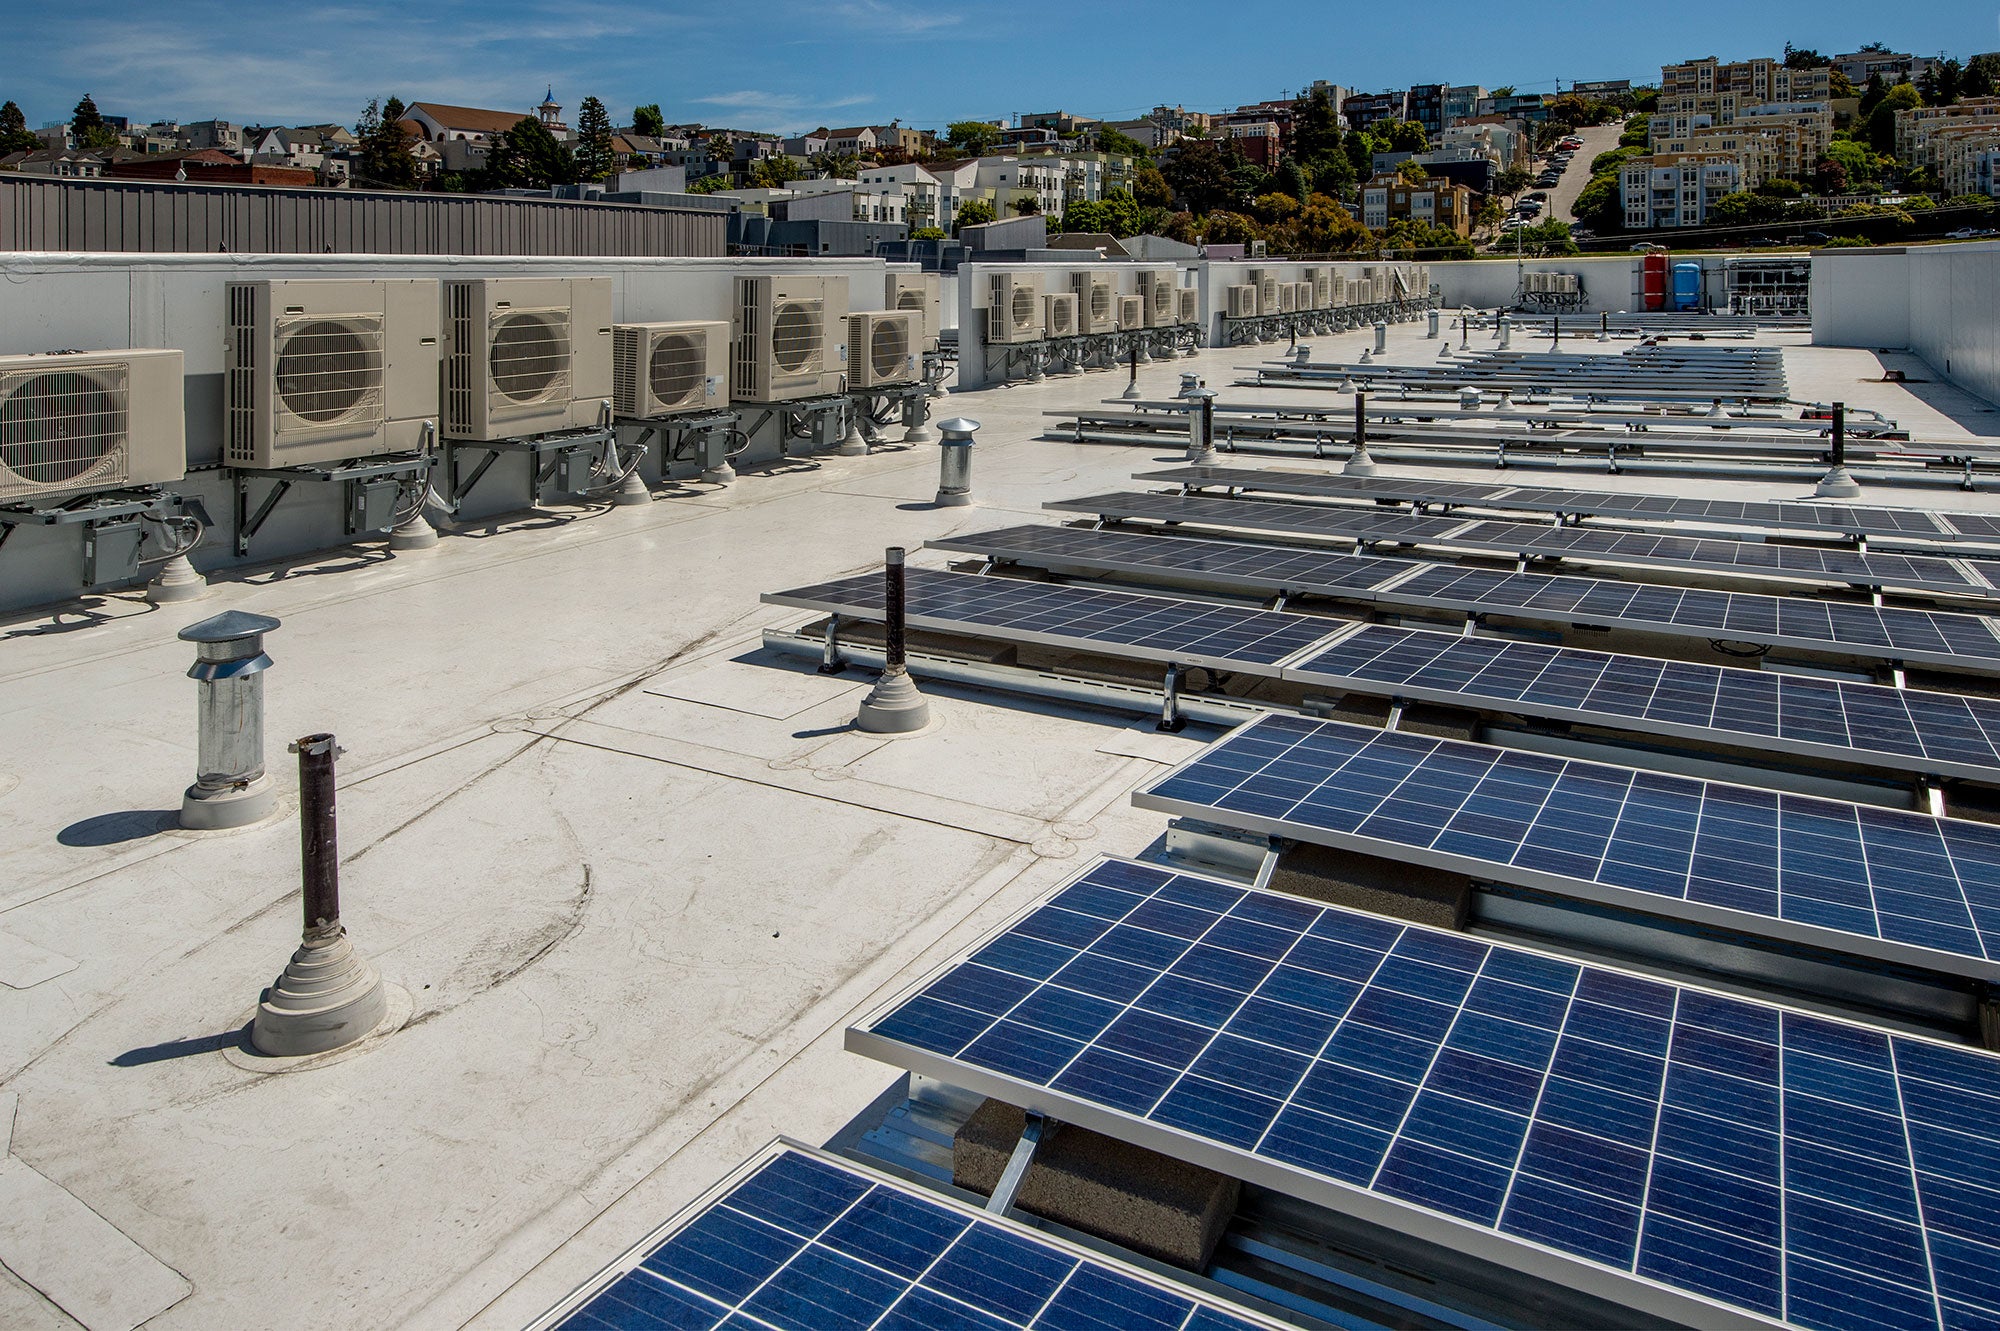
882 19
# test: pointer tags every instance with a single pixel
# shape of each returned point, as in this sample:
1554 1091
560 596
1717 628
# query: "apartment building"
1506 142
1461 102
1677 189
1013 181
1893 66
1962 153
1363 110
918 187
1089 176
1915 129
1390 198
1696 93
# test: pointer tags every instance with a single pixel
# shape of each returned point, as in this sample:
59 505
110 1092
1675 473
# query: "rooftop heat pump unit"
1288 296
789 331
99 420
1059 313
525 355
1131 313
919 293
1157 289
1266 283
329 370
669 369
1242 301
882 348
1187 305
1014 307
1302 296
1096 301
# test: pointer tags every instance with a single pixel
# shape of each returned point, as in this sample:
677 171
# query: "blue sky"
793 64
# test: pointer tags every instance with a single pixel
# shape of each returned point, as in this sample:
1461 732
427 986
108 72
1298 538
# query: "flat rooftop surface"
635 873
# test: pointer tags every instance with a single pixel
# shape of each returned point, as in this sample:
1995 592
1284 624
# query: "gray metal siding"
147 217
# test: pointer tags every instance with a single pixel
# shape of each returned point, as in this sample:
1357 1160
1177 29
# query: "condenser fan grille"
795 336
1022 308
888 348
1163 298
60 428
329 370
677 368
1100 301
910 299
528 354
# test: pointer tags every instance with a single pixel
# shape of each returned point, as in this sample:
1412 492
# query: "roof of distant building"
469 117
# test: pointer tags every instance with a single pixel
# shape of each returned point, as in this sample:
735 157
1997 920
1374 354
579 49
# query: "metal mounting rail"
366 481
459 484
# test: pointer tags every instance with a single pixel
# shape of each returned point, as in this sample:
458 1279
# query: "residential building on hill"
1390 198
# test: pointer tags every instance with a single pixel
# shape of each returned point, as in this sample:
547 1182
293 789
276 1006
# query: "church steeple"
550 112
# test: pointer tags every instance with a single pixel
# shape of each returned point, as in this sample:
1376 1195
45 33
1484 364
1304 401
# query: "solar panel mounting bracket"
1009 1186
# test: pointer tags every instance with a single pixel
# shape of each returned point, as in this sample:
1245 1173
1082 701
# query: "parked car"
1538 197
1963 233
1647 247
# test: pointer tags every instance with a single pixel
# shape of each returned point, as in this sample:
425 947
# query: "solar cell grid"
1858 879
1156 628
1748 559
1783 1165
1915 730
1853 519
1869 631
808 1243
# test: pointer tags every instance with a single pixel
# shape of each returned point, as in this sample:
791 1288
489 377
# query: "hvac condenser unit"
525 355
1187 305
789 332
1131 313
1302 296
667 369
1014 307
1322 286
328 370
1242 301
1267 290
1157 291
1059 313
882 348
1288 297
85 421
1096 303
919 293
1399 283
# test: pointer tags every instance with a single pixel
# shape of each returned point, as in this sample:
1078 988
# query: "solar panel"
801 1241
1979 526
1152 628
1590 544
1912 524
1886 633
1903 730
1708 1159
1868 631
1857 879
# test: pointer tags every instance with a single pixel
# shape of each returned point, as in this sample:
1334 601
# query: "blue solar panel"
1156 628
1906 730
1856 878
804 1242
1752 1158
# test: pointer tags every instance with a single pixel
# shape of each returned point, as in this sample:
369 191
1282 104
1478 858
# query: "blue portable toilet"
1687 286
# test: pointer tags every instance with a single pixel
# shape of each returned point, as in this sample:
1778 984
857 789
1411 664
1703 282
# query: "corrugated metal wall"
144 217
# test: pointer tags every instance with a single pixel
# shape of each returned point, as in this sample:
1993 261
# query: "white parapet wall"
94 302
979 368
1610 282
1941 302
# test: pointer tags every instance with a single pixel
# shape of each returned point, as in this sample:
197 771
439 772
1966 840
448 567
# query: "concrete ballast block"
1152 1204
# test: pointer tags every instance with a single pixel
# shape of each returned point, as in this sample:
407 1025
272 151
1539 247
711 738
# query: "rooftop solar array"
1909 523
805 1242
1705 1158
1149 627
1902 729
1861 880
1868 631
1588 544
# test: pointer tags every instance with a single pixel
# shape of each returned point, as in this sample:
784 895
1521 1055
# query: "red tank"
1653 281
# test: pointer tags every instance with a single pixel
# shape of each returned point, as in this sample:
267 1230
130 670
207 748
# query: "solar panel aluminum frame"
1630 723
1125 651
1524 1255
1388 592
1765 928
634 1256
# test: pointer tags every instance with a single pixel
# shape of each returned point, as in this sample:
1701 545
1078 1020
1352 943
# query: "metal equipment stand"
112 522
569 457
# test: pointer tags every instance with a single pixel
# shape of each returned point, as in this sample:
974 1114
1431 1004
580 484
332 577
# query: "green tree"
384 160
1408 238
1882 120
528 157
1981 76
1637 128
1333 175
928 233
1600 205
830 166
1829 177
1411 172
1543 240
1860 164
973 212
1645 100
971 138
1406 136
1872 94
1199 175
1511 181
1291 178
14 134
648 122
1490 213
595 157
1315 133
1799 57
87 127
775 172
1150 188
709 184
